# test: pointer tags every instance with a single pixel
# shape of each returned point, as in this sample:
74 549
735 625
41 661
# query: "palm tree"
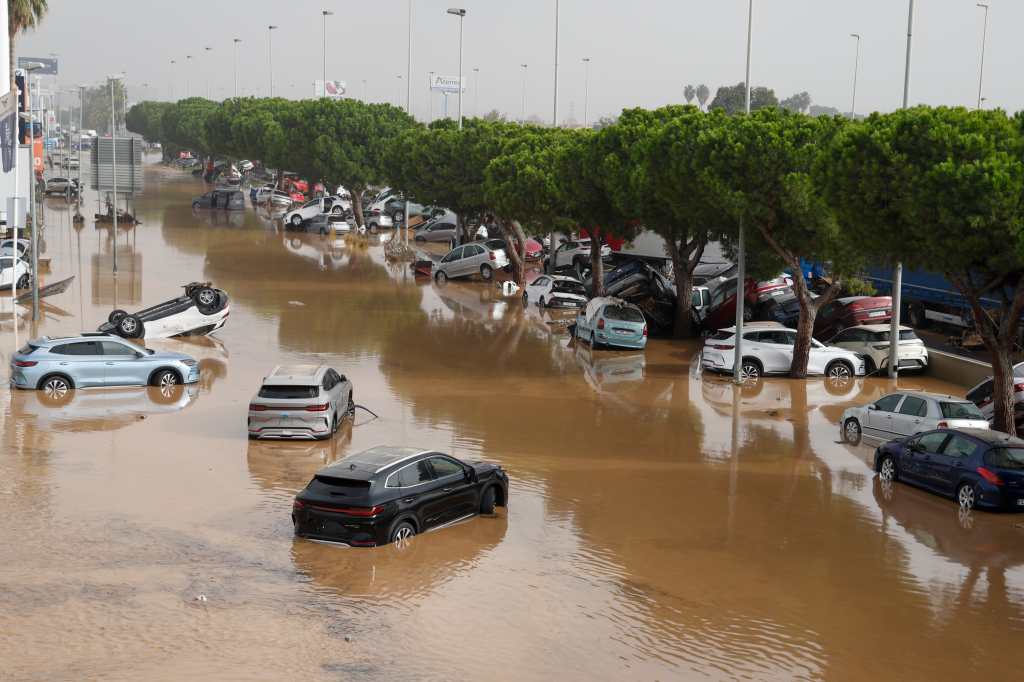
21 16
689 92
702 95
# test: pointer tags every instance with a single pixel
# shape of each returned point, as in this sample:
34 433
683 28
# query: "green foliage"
146 119
732 98
520 182
798 103
96 106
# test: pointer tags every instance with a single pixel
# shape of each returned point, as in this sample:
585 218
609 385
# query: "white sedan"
768 349
556 291
872 341
314 207
12 271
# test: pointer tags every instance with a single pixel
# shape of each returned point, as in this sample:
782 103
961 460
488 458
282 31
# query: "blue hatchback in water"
976 467
613 323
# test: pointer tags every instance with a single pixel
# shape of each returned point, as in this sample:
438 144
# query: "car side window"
981 393
756 337
931 442
912 406
454 255
845 336
84 348
444 467
62 349
115 348
959 446
474 250
540 282
785 338
888 403
414 474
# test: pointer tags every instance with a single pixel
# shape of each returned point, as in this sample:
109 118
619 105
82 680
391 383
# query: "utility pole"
326 13
270 55
554 110
856 68
237 40
586 92
741 252
984 38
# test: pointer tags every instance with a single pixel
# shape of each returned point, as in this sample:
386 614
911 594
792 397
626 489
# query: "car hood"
170 355
482 468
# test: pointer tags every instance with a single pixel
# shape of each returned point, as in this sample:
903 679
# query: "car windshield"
721 335
1005 458
960 410
289 392
563 287
5 263
494 244
905 335
624 313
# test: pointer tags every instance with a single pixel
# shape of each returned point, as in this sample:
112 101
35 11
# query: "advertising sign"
49 65
334 90
8 129
447 84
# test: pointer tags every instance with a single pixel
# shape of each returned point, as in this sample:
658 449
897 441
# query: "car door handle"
62 363
110 363
409 499
446 490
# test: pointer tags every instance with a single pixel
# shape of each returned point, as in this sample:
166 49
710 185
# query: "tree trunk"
517 252
357 206
596 264
1003 402
808 313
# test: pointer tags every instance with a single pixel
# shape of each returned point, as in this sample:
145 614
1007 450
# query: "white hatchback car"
872 341
907 413
768 349
556 291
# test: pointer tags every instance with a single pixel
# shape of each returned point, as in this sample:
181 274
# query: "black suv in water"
389 494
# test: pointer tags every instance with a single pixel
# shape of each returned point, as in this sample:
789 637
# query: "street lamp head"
855 35
586 59
457 11
271 27
523 65
327 13
238 40
983 4
208 48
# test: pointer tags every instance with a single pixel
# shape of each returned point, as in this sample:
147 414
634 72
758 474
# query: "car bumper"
1001 498
620 341
276 428
322 525
715 362
565 303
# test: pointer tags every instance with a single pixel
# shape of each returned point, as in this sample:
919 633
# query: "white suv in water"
768 349
301 402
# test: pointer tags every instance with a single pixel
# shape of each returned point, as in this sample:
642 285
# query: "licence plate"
622 331
877 313
285 432
1020 502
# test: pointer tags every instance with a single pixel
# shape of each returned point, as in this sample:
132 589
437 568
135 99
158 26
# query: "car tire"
372 228
967 496
398 217
296 220
195 204
207 300
419 239
526 299
336 210
164 378
916 317
887 470
56 389
115 316
839 370
401 533
487 500
440 277
851 431
751 369
22 282
130 327
350 410
487 272
541 303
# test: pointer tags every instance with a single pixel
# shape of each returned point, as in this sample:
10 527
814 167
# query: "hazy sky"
642 52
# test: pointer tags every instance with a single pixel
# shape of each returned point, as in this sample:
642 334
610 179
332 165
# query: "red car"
850 312
297 196
721 311
534 249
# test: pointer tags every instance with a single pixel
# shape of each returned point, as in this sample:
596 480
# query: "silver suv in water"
300 402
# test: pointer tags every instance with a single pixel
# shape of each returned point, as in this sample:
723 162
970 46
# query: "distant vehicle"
440 229
851 311
377 221
389 494
981 395
278 199
575 253
229 199
343 193
14 271
295 184
768 349
314 207
928 297
245 165
202 310
63 186
24 248
534 250
976 467
872 341
58 364
300 402
555 291
907 413
259 192
468 260
70 163
612 323
777 304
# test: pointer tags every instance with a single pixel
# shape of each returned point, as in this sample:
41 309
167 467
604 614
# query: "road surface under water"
662 525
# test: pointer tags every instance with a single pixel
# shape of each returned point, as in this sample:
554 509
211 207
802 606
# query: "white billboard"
334 90
447 84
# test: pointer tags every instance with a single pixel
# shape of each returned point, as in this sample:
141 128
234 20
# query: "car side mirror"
872 406
470 474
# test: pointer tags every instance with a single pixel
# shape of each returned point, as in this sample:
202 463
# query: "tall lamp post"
586 92
270 55
461 14
188 76
522 117
326 13
856 68
984 38
237 40
476 92
554 112
113 159
173 72
408 110
430 97
741 253
209 95
29 68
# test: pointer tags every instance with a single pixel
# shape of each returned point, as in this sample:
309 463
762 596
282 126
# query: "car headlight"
189 363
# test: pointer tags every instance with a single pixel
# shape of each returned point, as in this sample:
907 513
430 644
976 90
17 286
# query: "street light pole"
856 67
586 92
522 118
741 265
554 112
270 55
461 14
408 110
237 40
113 149
430 97
326 14
29 68
984 38
188 76
173 74
209 95
476 92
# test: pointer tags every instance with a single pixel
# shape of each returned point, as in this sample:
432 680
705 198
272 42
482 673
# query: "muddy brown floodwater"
662 525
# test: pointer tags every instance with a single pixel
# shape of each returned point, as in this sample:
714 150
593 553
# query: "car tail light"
645 330
297 504
721 346
989 476
253 407
600 323
1017 388
942 425
492 256
25 363
351 511
317 408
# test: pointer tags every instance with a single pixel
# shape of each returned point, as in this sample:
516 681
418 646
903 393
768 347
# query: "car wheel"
916 317
206 300
419 238
350 410
55 388
23 282
336 210
165 378
487 501
869 365
195 204
130 327
398 217
887 469
851 431
441 277
750 370
115 315
402 533
541 302
296 220
487 272
839 370
966 496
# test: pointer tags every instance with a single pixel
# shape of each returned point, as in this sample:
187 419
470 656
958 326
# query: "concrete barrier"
957 369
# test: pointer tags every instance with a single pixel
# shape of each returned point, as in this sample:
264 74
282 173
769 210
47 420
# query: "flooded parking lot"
661 524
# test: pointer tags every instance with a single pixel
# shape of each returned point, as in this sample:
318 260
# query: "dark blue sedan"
976 467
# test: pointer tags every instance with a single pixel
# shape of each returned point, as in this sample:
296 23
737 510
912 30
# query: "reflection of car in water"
606 370
202 310
287 466
389 494
100 410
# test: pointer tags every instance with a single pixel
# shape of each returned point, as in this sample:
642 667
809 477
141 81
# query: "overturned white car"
202 310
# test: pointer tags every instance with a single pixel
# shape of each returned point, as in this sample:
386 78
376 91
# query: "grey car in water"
468 260
300 402
441 229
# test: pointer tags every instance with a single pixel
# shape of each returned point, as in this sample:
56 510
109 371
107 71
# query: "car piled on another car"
612 323
555 291
470 259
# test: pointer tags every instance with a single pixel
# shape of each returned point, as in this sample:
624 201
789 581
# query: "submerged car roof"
363 465
295 375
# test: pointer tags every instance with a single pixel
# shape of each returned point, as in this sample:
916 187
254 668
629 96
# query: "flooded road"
662 524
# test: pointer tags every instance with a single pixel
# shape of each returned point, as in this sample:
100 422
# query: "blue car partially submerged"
612 323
